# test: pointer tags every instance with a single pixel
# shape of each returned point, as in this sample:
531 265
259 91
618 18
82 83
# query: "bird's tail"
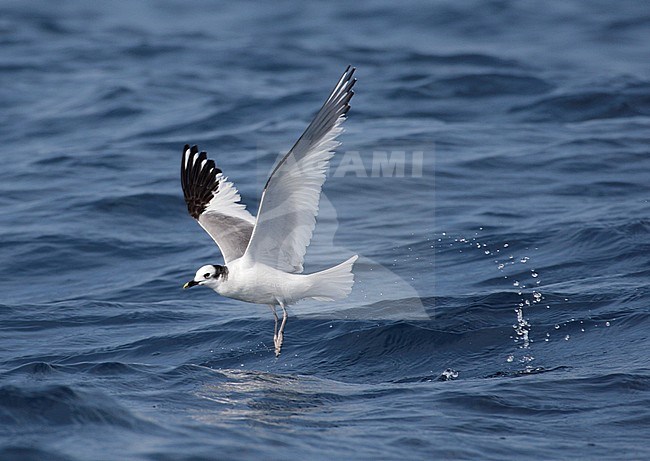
333 283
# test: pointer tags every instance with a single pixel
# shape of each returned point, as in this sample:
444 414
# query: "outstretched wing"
214 202
289 203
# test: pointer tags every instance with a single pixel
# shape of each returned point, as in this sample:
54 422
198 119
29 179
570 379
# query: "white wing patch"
227 201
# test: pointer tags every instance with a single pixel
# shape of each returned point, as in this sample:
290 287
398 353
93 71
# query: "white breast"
261 284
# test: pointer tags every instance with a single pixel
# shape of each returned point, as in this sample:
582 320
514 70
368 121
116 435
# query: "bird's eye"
207 275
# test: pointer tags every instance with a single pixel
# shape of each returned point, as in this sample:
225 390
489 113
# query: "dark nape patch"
220 271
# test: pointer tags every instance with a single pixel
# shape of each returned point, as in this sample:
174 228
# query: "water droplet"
501 266
505 245
607 324
557 327
516 283
534 275
566 338
487 252
510 358
449 374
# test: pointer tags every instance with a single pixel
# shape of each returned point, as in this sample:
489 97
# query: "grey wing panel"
230 233
337 105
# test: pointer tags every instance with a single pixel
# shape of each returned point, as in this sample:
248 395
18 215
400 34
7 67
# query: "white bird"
264 255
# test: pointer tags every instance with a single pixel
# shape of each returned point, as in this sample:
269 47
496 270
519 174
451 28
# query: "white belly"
262 284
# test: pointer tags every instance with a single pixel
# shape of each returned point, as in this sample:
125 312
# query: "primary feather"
289 203
214 202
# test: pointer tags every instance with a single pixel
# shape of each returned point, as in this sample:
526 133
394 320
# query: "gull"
263 256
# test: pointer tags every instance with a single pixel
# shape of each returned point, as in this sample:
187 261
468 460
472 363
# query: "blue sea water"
494 179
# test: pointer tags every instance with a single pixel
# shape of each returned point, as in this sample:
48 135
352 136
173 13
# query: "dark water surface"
502 308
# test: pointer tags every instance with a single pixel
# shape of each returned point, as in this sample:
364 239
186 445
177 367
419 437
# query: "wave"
630 100
489 84
60 404
28 453
140 205
461 59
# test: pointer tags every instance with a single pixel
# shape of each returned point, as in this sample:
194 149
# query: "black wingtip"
198 180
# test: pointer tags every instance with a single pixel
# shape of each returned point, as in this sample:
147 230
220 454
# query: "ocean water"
494 178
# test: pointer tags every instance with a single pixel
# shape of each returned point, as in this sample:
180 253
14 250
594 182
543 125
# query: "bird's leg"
275 329
280 336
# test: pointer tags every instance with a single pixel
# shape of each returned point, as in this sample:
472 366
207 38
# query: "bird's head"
210 275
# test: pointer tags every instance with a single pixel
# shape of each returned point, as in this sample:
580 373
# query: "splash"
448 375
527 286
516 267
